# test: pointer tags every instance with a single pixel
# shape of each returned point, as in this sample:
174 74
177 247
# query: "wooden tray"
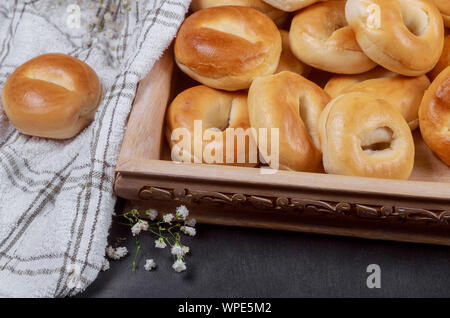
413 211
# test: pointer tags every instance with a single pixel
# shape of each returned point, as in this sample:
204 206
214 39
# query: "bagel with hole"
291 5
404 36
402 92
362 135
288 62
52 96
444 60
217 110
228 47
434 116
292 104
278 16
321 37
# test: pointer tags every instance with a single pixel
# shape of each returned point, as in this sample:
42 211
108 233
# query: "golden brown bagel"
53 96
444 60
404 36
402 92
218 111
337 84
320 37
434 116
288 62
292 104
278 16
291 5
362 135
227 47
444 8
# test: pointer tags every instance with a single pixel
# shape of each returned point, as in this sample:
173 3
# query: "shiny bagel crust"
218 110
292 104
353 121
320 37
404 36
434 116
52 96
278 16
402 92
228 47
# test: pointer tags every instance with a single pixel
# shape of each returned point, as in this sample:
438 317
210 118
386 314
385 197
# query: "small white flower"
182 212
152 214
110 251
185 250
144 225
138 227
149 264
117 253
105 265
177 250
74 276
168 218
179 265
159 243
190 222
188 230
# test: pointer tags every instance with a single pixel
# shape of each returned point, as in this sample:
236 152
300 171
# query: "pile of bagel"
388 67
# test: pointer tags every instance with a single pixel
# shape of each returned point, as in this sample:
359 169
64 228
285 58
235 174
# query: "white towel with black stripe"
56 197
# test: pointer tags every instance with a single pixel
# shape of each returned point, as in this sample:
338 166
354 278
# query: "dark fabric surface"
242 262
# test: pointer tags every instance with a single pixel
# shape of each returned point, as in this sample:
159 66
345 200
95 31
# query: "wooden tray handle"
147 118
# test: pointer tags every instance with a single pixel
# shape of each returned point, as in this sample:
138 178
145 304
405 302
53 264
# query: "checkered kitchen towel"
56 197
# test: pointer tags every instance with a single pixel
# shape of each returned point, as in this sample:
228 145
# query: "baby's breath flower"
152 214
117 253
177 250
190 222
138 227
168 218
159 243
149 264
188 230
185 250
182 212
105 265
179 265
121 252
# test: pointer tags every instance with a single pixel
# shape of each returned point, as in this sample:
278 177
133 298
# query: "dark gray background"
242 262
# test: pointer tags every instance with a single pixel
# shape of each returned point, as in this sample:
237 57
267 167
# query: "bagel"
434 116
362 135
278 16
444 60
52 96
404 36
218 111
320 37
337 84
444 7
288 62
227 47
402 92
292 104
291 5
